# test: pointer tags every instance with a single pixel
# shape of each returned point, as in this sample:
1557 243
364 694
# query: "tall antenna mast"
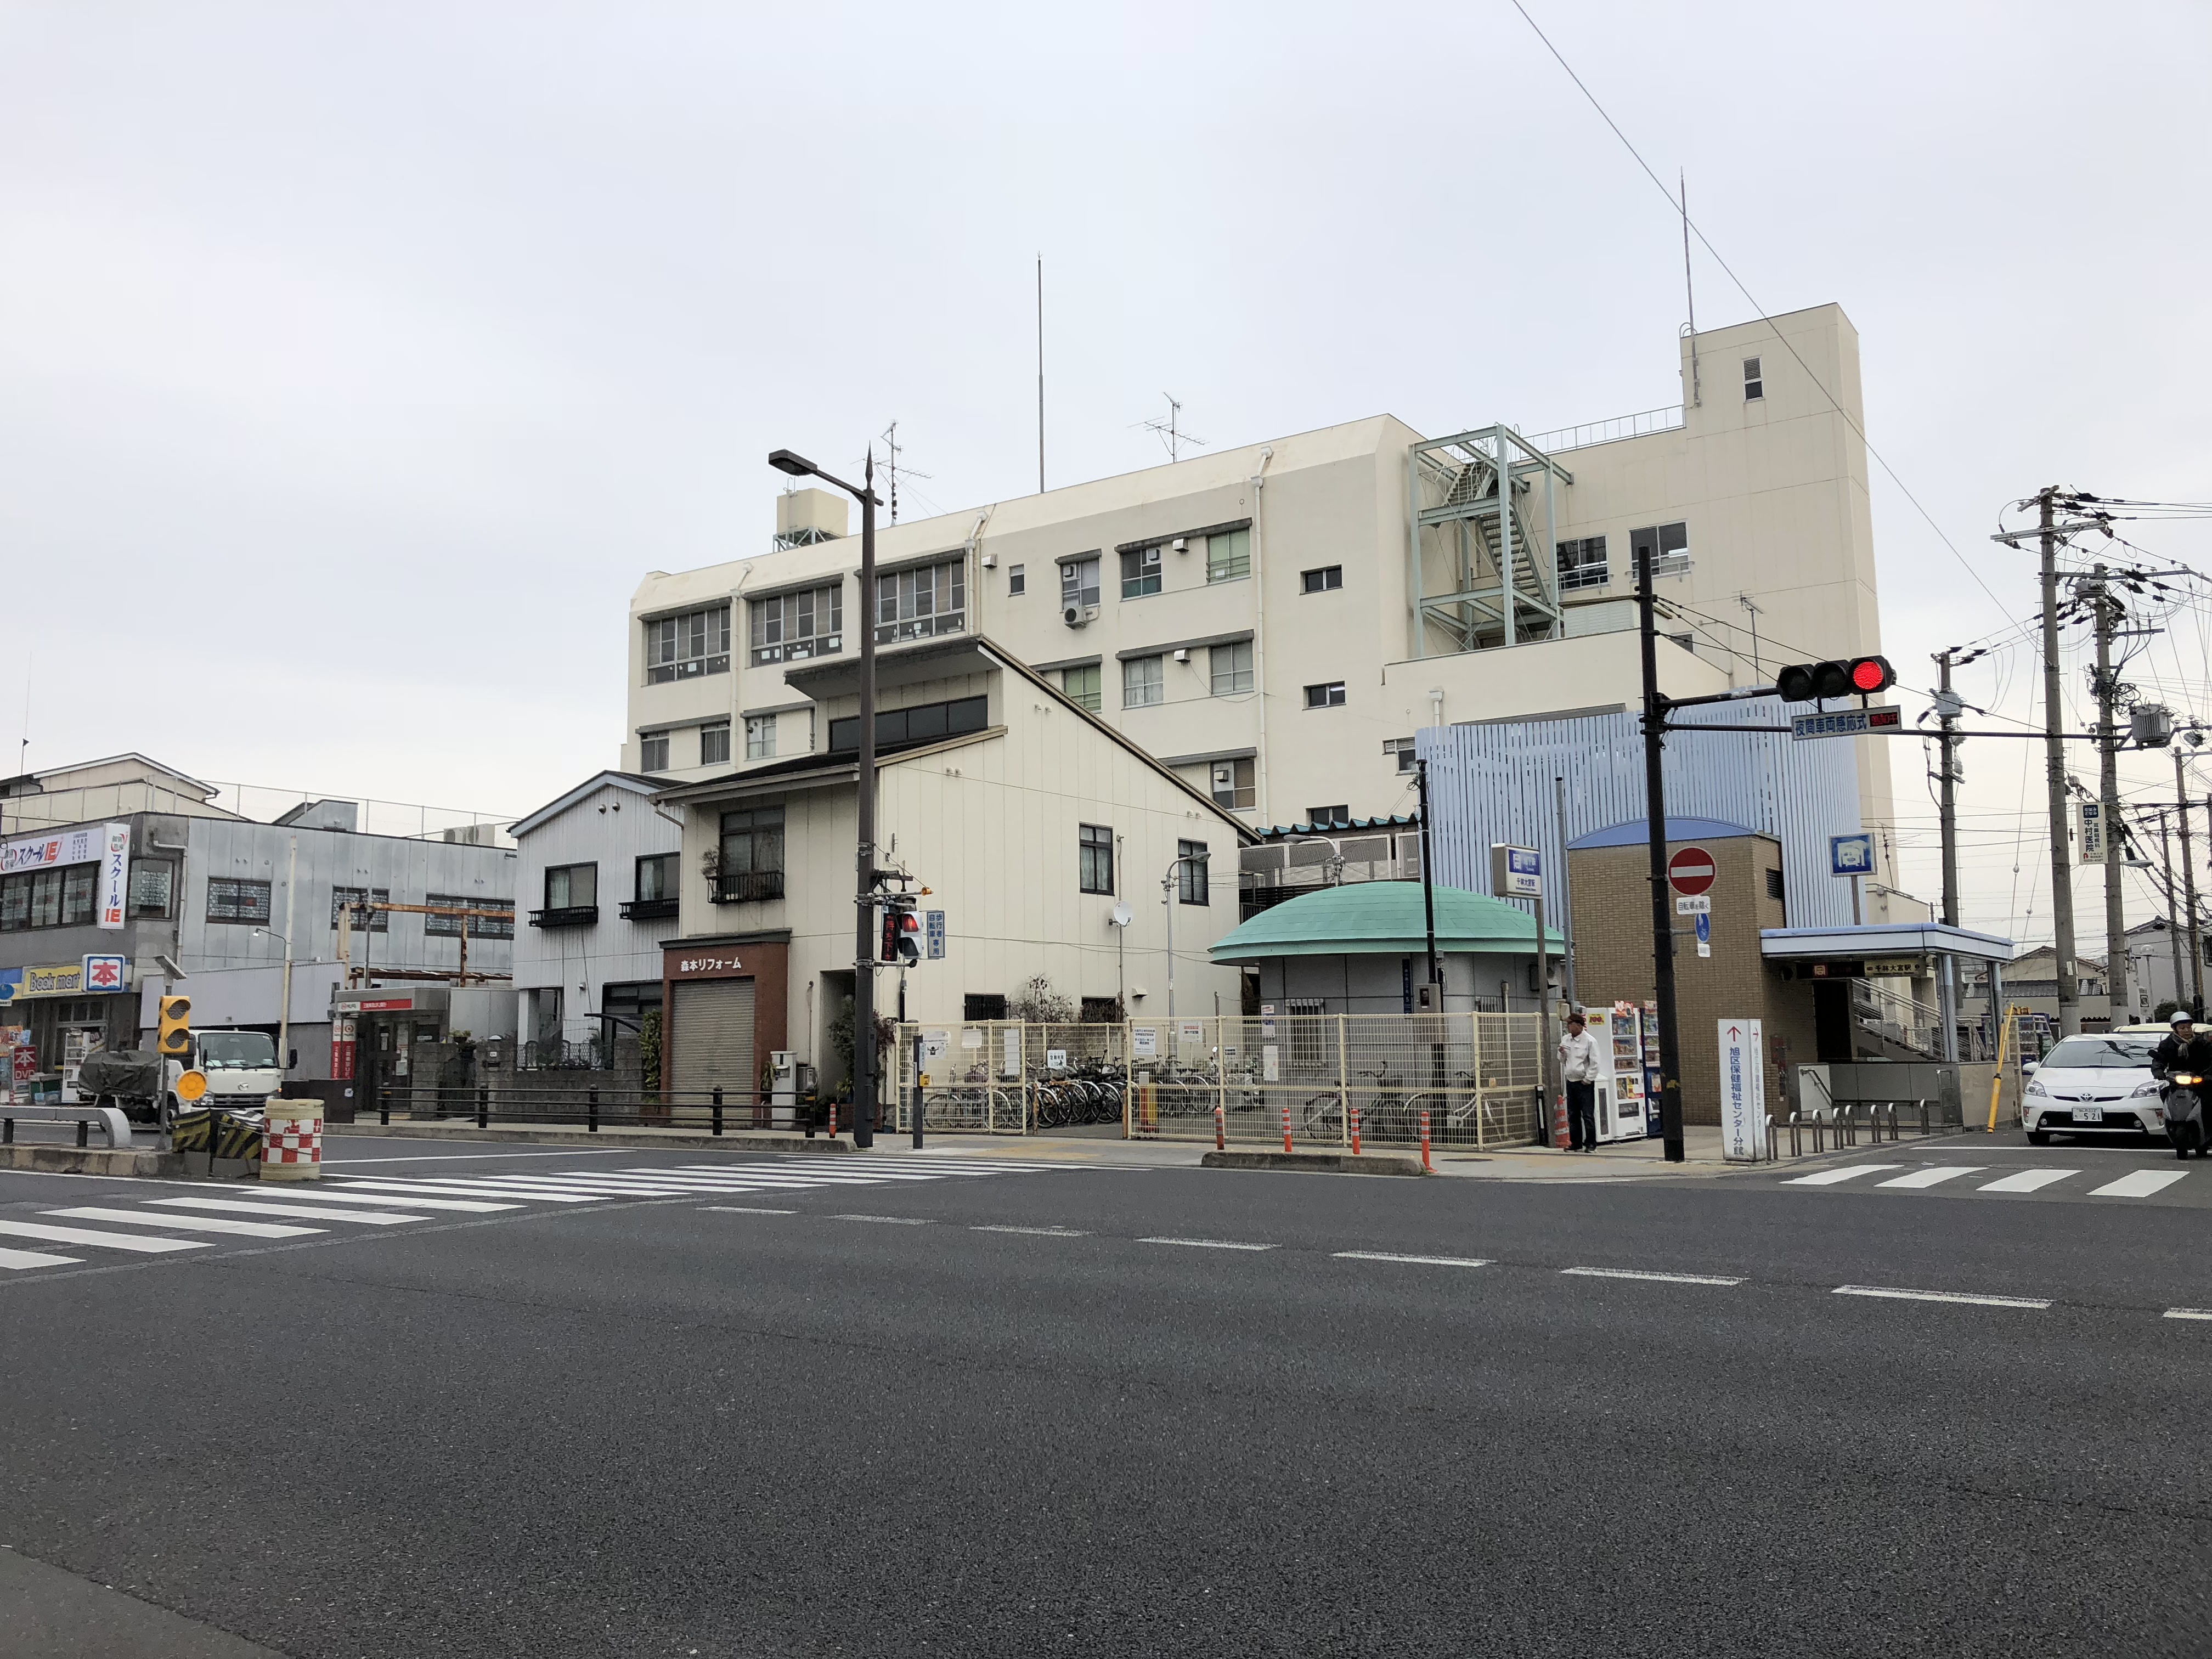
1697 379
895 470
1169 431
1040 314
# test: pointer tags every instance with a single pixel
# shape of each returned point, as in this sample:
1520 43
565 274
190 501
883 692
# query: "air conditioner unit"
1182 656
1182 545
990 561
1076 615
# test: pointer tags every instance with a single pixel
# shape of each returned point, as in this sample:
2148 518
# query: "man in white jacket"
1578 1066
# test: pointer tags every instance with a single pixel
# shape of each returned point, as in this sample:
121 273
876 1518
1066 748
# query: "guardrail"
716 1111
1842 1122
112 1123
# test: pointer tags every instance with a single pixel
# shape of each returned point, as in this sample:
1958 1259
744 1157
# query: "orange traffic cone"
1560 1139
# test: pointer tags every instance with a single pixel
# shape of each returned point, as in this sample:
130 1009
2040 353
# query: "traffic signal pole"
1662 919
2063 966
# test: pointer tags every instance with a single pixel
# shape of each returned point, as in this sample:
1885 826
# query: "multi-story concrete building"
1276 621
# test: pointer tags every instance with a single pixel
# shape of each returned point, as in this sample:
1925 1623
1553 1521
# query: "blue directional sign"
1851 855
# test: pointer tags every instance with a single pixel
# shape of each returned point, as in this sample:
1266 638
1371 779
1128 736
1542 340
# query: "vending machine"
1620 1092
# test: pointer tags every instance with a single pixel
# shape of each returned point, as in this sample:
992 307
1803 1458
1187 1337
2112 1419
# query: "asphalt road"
1045 1410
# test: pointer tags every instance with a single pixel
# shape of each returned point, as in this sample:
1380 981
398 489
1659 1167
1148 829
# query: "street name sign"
1515 872
1849 723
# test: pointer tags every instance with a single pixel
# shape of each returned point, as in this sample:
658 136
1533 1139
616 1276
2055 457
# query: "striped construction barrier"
292 1149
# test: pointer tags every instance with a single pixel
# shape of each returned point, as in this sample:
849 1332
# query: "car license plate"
2089 1115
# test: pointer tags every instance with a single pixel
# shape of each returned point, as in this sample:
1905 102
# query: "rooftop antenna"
1169 431
890 437
1697 379
1040 314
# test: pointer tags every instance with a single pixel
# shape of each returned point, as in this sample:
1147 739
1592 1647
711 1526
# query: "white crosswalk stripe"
2139 1184
1935 1177
1951 1178
1834 1177
87 1237
16 1260
302 1212
2027 1181
457 1190
190 1223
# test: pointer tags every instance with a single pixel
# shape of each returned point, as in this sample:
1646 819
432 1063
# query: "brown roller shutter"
713 1039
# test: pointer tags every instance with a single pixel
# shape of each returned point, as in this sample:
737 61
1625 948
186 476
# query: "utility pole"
1662 920
2107 610
2172 922
1428 885
1947 704
2054 747
2189 896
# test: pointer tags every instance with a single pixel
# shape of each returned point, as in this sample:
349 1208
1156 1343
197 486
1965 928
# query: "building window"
1774 884
1140 572
1017 580
572 886
1754 383
1232 668
1327 818
499 926
1328 695
152 881
656 876
1229 556
714 742
52 898
751 866
1661 542
923 723
1326 580
921 602
229 899
760 736
792 627
1078 581
1094 853
1143 681
983 1005
684 647
1403 749
653 752
1081 686
1235 785
78 882
1190 872
1582 563
1099 1011
378 921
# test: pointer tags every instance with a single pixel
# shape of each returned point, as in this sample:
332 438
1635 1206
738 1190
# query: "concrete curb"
749 1140
92 1160
1372 1163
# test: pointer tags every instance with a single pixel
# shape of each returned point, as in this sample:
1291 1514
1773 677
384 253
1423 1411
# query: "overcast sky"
355 359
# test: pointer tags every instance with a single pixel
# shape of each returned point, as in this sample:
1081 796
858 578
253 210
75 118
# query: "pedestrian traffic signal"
174 1035
1850 677
902 930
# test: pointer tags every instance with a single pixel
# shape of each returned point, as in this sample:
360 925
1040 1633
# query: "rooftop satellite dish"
1120 916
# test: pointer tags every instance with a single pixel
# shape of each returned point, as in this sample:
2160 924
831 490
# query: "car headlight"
2035 1087
2150 1088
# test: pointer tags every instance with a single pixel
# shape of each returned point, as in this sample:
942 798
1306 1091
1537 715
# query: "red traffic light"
1807 682
1872 674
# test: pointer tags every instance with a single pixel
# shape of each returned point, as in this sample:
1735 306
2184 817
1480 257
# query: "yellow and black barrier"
233 1136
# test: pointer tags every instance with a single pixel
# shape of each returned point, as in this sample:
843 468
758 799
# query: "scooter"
2185 1121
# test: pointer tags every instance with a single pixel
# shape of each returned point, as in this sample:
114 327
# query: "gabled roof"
1381 918
635 783
1293 831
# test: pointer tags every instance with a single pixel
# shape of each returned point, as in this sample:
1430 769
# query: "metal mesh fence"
1478 1078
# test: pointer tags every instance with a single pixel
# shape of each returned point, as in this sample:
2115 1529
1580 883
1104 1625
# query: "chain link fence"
1477 1078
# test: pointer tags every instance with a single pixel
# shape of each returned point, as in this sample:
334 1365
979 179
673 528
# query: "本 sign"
105 973
1516 873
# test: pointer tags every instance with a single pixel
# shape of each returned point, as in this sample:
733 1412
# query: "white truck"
240 1068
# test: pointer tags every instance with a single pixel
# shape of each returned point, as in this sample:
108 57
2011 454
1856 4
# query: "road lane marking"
2141 1184
136 1242
1940 1295
303 1211
2027 1181
323 1194
1035 1232
1206 1243
16 1261
190 1223
1830 1177
1935 1177
1663 1278
1417 1261
743 1209
2189 1313
887 1220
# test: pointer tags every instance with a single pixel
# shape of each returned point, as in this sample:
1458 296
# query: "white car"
2097 1083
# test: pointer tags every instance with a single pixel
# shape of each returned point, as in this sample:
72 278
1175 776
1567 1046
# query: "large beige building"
1276 621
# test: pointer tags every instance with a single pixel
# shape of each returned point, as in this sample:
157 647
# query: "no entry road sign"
1690 871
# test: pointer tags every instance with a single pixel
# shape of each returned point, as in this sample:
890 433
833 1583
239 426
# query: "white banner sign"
1743 1091
114 876
83 845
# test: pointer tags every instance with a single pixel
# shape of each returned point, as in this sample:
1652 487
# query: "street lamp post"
864 957
1167 898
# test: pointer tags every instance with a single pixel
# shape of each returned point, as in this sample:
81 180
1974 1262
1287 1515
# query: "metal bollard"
84 1131
1819 1131
483 1106
1923 1120
718 1109
1773 1144
1796 1134
1220 1132
592 1112
7 1131
384 1104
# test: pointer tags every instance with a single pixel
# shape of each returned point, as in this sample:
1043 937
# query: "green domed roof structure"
1383 918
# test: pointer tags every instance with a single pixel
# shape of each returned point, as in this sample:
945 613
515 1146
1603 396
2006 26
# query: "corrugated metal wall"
1493 783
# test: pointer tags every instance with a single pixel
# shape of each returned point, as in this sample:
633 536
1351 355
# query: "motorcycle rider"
2185 1049
2174 1046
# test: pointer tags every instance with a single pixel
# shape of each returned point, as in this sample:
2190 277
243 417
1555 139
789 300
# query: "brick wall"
1611 891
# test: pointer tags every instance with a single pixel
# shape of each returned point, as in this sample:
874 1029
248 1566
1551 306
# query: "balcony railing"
647 909
570 915
749 887
1639 425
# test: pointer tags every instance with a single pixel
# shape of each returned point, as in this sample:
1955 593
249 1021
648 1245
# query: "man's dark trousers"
1582 1116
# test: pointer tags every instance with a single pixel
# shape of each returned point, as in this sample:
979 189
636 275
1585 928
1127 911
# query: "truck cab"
241 1067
